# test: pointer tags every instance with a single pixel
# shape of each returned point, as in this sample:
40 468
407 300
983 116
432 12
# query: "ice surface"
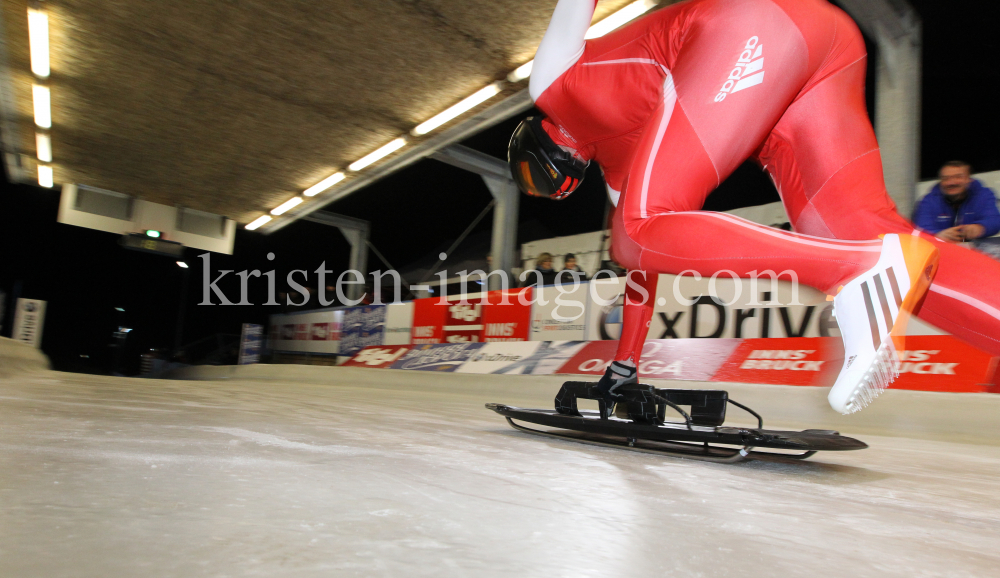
407 474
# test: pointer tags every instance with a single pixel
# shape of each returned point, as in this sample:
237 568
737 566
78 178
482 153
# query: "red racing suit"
670 104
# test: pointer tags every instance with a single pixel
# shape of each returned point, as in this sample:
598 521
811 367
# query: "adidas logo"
879 283
748 71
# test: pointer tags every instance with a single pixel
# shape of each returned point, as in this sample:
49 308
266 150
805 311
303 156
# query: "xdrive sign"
721 307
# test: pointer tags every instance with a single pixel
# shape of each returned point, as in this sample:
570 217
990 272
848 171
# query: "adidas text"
748 70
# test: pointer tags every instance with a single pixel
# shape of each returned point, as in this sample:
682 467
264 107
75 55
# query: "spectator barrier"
684 308
930 363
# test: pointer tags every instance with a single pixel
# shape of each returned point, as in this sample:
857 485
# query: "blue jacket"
934 214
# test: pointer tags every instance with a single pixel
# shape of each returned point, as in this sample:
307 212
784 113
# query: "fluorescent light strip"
258 222
43 103
323 185
283 207
521 72
38 40
626 14
378 155
45 177
43 147
464 106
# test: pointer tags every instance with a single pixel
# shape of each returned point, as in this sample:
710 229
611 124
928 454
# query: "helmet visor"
531 177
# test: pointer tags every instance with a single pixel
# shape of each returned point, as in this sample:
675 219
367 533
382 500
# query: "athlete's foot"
616 375
872 311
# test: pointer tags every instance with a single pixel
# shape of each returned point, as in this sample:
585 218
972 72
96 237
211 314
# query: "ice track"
382 473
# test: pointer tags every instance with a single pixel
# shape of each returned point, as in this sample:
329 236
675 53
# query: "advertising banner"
309 332
437 357
604 315
428 320
524 358
686 359
464 320
508 321
687 307
521 358
398 323
362 326
944 363
324 332
793 361
929 363
377 356
29 319
559 313
251 339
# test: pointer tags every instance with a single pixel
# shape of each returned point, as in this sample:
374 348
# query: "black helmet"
539 166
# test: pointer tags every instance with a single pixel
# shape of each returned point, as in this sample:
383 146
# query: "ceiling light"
153 233
323 185
283 207
521 72
467 104
377 155
182 264
45 178
258 222
630 12
38 40
43 110
43 147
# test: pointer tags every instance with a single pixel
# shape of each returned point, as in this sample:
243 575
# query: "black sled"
639 423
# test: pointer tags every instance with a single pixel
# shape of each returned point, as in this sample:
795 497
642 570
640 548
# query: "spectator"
959 208
570 266
543 273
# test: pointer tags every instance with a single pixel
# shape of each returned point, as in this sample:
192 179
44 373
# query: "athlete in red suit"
672 103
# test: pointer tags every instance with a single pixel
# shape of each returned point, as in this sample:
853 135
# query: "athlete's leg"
694 140
657 228
825 161
637 312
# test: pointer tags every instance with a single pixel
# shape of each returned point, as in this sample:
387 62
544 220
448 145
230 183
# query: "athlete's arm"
562 44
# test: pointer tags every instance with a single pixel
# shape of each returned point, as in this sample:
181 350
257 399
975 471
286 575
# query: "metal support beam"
503 247
356 232
897 30
496 175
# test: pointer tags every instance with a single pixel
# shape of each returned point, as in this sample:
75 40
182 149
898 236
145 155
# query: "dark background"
84 275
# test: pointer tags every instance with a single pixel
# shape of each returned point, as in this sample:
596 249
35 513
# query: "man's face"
955 180
570 263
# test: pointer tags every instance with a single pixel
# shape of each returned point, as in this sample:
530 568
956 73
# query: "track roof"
235 106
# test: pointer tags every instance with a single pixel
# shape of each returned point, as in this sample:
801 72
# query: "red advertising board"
929 363
944 363
784 361
428 320
326 331
463 322
687 359
507 315
378 356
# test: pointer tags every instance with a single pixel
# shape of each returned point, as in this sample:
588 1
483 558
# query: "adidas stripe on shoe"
872 311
